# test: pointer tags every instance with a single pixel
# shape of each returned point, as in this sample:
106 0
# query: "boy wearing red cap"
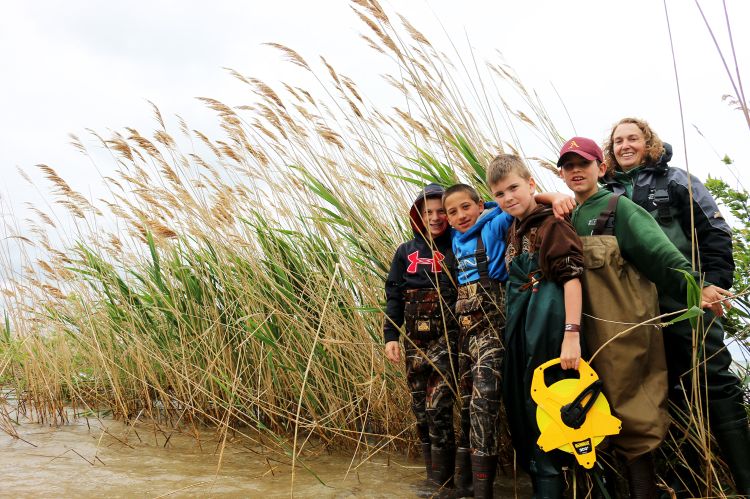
622 243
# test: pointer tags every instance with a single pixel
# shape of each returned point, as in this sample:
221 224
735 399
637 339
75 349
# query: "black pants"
719 387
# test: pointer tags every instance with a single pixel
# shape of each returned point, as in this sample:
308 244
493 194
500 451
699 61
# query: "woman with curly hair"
638 166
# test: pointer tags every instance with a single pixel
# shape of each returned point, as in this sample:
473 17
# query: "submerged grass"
237 281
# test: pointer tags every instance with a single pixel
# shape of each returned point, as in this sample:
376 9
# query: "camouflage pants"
430 351
480 360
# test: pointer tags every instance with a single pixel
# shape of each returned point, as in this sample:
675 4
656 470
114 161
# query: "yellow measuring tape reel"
572 414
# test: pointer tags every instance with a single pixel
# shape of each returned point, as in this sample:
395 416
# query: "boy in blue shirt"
479 246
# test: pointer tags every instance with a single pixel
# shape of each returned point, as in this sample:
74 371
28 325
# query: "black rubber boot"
684 461
734 442
604 481
642 477
683 477
443 466
546 475
427 456
483 469
463 480
547 487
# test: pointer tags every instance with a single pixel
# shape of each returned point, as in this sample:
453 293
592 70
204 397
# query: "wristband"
572 328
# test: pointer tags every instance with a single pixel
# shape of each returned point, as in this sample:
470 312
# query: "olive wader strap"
481 256
661 199
605 222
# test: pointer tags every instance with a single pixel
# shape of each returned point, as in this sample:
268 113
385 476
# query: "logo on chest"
434 262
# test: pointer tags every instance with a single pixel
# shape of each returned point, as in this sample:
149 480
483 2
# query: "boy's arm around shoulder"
560 251
498 227
562 204
449 277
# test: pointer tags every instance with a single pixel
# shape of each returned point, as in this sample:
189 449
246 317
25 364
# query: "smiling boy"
420 294
616 250
544 260
479 247
623 243
638 168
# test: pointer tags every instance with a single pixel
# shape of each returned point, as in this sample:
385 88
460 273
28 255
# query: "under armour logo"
573 144
433 262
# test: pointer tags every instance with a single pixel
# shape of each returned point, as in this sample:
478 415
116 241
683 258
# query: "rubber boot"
734 443
684 461
463 480
443 466
546 477
483 470
427 456
548 487
642 477
606 483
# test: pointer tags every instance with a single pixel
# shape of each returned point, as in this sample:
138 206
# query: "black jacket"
418 264
712 232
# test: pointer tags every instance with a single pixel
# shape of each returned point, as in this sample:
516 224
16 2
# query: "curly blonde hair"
654 145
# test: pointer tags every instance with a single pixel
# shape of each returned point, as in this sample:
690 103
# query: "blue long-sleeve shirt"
493 226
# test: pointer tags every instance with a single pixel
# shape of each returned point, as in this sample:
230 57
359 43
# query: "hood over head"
430 191
665 158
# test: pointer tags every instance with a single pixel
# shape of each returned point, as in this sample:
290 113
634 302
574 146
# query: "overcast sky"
69 66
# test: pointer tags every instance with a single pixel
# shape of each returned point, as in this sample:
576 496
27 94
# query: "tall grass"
236 281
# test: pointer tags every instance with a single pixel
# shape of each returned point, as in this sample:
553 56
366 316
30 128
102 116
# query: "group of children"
516 283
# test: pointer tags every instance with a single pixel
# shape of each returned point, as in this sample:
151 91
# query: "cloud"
69 66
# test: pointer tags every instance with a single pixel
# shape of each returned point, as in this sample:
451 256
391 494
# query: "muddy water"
104 458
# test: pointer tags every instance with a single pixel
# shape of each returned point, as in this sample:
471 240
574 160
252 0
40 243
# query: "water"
106 458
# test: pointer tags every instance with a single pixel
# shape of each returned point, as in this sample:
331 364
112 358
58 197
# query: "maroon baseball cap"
585 148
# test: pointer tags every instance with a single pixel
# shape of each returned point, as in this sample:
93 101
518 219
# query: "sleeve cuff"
391 335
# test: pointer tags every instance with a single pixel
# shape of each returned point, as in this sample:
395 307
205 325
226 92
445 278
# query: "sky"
68 67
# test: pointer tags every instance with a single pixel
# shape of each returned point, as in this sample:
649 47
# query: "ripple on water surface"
105 458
